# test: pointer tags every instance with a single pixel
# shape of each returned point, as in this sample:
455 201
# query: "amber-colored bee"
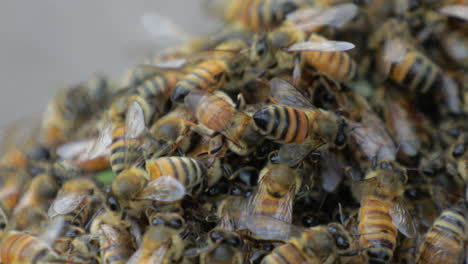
277 187
382 212
72 107
259 15
444 242
321 244
160 244
223 69
115 240
14 182
216 114
297 123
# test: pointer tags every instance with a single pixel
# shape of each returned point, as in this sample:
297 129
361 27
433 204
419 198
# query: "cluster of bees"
325 131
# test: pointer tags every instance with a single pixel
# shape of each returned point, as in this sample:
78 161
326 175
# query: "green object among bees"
106 176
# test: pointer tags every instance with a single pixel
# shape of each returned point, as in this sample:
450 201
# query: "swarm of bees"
326 131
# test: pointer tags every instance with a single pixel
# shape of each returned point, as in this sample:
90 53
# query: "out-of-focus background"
48 43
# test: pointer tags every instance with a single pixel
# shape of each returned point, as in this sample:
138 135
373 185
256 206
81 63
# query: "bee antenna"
341 213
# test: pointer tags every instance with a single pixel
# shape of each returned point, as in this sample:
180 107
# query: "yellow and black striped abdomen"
415 72
378 233
287 254
187 171
264 14
282 123
23 248
337 65
444 242
208 75
81 214
158 87
124 151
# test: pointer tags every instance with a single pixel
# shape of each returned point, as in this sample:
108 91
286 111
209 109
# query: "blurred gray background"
46 44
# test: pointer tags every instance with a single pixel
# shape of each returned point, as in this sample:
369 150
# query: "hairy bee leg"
240 103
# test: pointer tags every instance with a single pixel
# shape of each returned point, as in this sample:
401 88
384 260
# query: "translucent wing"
284 208
266 227
402 219
193 252
285 93
102 143
292 154
170 64
373 140
322 46
314 17
53 231
164 188
160 255
457 11
163 30
64 205
134 121
394 50
332 167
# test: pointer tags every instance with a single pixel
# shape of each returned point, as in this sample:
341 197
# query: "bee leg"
202 130
240 103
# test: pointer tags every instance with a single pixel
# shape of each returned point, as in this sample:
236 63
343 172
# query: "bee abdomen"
285 254
378 232
282 123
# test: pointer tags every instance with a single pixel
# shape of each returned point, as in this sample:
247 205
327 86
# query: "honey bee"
72 107
223 247
321 244
415 72
382 212
216 114
256 15
217 71
14 182
76 202
277 187
286 47
163 179
114 238
18 247
40 193
444 242
458 157
172 130
295 122
160 244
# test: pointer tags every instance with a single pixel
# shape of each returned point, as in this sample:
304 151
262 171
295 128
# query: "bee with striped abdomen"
382 212
445 240
297 124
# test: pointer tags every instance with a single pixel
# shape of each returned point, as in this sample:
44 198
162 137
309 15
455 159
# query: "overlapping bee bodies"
301 132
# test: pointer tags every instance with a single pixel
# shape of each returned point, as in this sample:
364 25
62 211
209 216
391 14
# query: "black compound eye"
340 140
289 7
341 242
2 226
215 236
158 221
459 150
113 204
176 223
234 241
72 233
412 194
